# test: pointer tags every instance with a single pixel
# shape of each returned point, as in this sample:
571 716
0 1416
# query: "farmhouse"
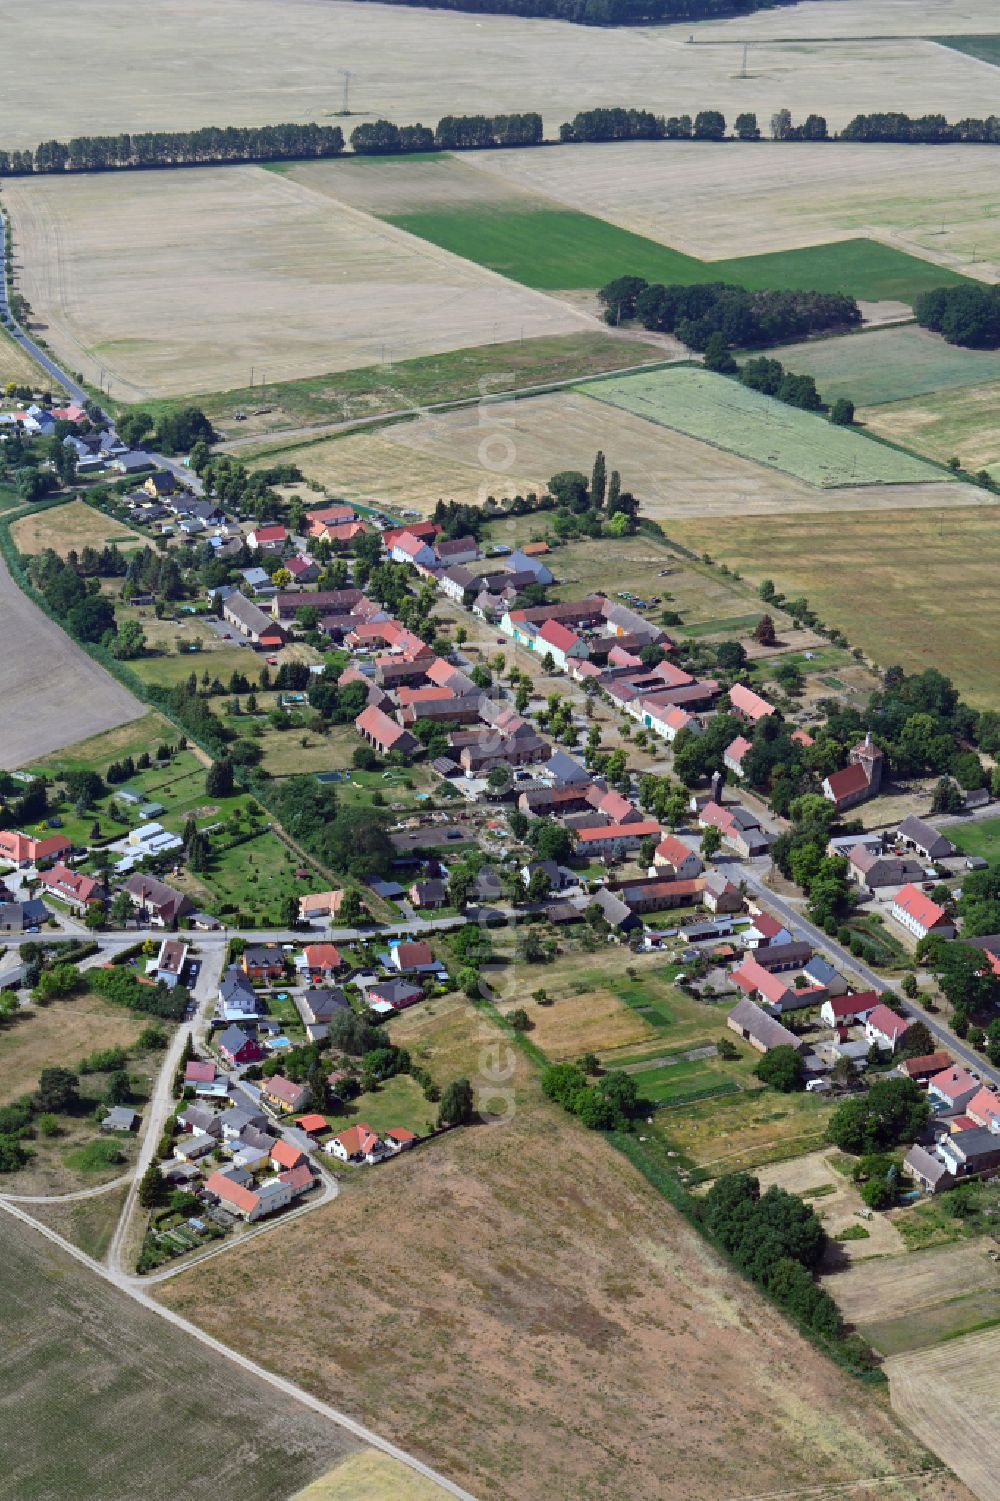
916 912
872 871
357 1144
674 856
384 733
841 1010
615 840
251 621
915 834
760 1030
749 706
952 1088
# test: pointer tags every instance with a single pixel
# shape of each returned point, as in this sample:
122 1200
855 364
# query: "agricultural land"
962 423
947 1397
83 1364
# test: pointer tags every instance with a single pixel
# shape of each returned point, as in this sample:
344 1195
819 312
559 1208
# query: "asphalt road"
797 923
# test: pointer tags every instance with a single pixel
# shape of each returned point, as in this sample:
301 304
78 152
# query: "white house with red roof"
269 538
984 1109
406 548
356 1145
953 1087
76 890
914 910
666 720
398 1139
765 929
562 644
673 856
734 754
25 849
842 1010
616 839
884 1027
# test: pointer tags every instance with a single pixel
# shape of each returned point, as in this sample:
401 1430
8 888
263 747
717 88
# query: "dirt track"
51 691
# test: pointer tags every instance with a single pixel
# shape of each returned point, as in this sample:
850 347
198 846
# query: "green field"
727 415
106 1401
982 839
986 48
557 250
397 1102
888 364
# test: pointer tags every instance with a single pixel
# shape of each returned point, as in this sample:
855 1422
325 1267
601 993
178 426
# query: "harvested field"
371 1475
949 1397
328 288
934 202
909 1284
888 365
61 1033
592 1023
244 64
852 18
513 447
836 1206
836 560
730 416
963 424
85 1369
531 1248
17 366
73 526
53 693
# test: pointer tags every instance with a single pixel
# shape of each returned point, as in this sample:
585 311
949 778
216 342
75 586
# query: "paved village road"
333 1414
821 941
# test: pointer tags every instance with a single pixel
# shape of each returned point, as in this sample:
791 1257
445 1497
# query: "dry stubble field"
156 279
937 202
69 527
53 693
914 587
950 1398
104 1401
248 61
513 447
964 423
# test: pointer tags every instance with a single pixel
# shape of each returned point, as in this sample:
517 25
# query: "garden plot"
315 288
727 415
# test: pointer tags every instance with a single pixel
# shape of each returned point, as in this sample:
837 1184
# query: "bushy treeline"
122 988
601 12
923 130
967 315
176 148
742 318
452 133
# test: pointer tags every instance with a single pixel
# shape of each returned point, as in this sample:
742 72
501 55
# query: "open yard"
836 1201
243 64
933 202
836 560
979 838
371 1475
963 423
61 1033
950 1399
53 693
73 526
94 753
397 1102
746 1130
530 1248
889 365
85 1366
513 447
328 288
728 415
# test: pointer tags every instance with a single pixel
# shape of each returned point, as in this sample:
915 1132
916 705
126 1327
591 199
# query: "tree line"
209 146
452 133
214 145
602 12
742 319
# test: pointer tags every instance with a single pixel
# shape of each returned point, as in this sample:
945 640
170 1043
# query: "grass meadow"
730 416
985 48
888 364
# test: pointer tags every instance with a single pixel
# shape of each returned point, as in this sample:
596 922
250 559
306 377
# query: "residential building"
319 904
925 1067
239 1047
761 985
23 850
269 538
874 871
356 1145
249 1203
818 972
170 962
842 1010
285 1156
953 1088
320 1004
156 903
70 886
674 856
734 753
238 1001
884 1027
984 1109
398 1139
406 548
395 994
749 706
384 733
457 551
428 895
719 894
915 911
263 961
615 840
321 959
283 1094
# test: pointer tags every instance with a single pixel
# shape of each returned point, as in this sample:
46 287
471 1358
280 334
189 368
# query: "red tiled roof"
984 1107
846 782
745 701
737 749
199 1073
847 1006
232 1193
554 634
752 978
360 1138
401 1135
285 1155
383 730
887 1022
618 831
918 905
927 1063
322 956
284 1090
313 1123
270 533
297 1177
412 954
70 883
952 1082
